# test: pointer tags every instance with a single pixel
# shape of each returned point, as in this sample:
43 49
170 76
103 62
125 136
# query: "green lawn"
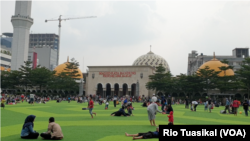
77 124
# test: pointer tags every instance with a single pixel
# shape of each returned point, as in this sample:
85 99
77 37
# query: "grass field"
77 124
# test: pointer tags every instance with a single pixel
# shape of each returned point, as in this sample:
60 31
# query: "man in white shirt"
80 99
195 104
32 99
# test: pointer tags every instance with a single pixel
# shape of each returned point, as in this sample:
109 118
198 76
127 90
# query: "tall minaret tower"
21 22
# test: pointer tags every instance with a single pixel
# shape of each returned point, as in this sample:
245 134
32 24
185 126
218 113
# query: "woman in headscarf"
27 131
152 109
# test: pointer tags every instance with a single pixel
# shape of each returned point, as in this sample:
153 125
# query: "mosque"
124 80
120 80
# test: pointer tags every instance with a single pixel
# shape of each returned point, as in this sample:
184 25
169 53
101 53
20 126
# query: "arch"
61 91
24 90
246 96
174 95
108 89
197 95
55 91
28 91
33 91
181 95
99 89
66 92
124 89
238 95
133 89
99 84
44 91
50 91
204 95
72 92
116 89
116 84
18 90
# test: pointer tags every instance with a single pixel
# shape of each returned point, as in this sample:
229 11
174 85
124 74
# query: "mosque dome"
151 59
5 69
215 64
2 68
60 68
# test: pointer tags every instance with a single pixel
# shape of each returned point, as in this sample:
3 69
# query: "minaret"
21 22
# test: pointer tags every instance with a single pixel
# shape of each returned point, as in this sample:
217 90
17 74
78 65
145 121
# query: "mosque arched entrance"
108 90
133 90
116 89
124 89
99 91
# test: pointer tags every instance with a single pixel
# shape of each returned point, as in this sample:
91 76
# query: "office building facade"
46 57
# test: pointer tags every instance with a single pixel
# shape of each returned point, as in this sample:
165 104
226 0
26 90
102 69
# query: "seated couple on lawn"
54 130
147 135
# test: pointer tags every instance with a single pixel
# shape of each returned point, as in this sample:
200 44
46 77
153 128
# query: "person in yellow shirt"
2 103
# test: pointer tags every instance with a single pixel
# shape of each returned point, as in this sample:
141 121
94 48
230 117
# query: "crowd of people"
152 104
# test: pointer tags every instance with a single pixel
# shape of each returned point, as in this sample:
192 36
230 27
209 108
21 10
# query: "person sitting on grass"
54 131
147 135
27 131
121 112
144 104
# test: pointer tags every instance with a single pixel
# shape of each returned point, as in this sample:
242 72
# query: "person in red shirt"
235 106
171 118
91 106
22 96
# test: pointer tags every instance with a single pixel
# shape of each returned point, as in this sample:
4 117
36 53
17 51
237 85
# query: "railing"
20 16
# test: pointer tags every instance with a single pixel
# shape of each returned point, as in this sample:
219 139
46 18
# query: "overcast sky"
123 31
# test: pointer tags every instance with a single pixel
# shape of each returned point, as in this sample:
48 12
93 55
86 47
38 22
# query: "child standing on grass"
205 106
171 118
107 105
91 106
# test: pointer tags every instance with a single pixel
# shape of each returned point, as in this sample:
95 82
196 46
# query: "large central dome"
151 59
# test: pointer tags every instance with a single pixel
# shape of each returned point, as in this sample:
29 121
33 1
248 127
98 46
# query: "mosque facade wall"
107 77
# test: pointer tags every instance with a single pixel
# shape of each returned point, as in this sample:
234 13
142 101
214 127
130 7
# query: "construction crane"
59 30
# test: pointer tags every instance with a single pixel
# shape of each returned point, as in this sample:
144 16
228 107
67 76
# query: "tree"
63 82
244 74
190 84
208 77
10 80
226 83
41 76
25 77
160 81
72 68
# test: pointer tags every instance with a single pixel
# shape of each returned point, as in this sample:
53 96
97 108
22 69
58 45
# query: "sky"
124 30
